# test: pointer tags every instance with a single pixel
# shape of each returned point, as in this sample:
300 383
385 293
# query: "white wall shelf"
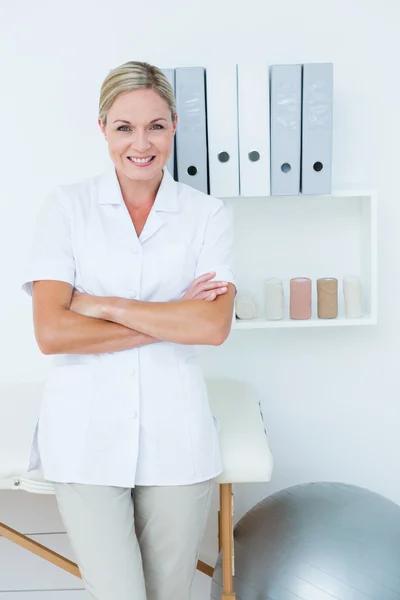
314 322
306 236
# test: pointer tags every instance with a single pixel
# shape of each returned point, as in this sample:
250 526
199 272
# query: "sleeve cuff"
48 274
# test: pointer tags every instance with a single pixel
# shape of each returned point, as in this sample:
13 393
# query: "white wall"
330 396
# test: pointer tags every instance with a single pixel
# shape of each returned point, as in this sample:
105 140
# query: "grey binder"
191 136
285 102
170 75
316 168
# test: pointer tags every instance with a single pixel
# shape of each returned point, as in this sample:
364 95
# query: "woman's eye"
126 128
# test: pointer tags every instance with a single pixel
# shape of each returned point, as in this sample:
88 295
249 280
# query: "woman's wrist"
112 308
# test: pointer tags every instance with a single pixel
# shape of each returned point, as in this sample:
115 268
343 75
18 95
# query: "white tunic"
138 416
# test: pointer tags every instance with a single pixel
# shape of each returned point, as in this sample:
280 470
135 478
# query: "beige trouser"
132 542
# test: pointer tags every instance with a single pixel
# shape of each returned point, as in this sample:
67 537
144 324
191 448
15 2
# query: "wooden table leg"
226 513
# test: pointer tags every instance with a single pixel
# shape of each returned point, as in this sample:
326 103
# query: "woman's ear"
174 124
102 127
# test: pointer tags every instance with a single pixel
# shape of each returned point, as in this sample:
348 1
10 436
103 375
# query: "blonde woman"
129 272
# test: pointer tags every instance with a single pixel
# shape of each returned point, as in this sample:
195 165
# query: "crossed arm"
70 322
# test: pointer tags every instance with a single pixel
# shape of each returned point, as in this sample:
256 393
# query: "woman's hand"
204 289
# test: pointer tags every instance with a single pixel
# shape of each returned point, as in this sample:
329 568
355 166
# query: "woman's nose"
141 141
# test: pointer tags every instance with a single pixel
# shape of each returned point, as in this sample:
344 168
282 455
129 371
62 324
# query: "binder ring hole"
286 168
192 170
318 166
223 157
254 156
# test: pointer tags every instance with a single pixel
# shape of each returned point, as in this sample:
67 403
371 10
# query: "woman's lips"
142 162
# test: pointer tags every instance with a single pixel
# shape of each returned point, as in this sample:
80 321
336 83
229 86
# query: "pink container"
300 298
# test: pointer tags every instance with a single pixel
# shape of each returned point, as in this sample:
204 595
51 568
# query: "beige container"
245 306
352 291
327 290
274 299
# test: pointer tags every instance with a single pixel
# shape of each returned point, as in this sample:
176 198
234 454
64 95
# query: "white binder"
191 133
170 75
222 128
285 82
254 135
316 165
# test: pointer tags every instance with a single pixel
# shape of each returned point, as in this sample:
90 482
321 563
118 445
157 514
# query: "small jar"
300 298
274 299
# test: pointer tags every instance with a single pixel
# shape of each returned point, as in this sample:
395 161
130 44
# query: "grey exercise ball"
317 541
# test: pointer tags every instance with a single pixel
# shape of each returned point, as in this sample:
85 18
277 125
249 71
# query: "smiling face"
140 133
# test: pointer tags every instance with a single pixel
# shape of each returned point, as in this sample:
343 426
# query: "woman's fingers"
218 290
204 277
210 295
197 284
212 285
208 286
201 288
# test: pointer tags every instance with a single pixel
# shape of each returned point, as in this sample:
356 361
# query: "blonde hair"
134 75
